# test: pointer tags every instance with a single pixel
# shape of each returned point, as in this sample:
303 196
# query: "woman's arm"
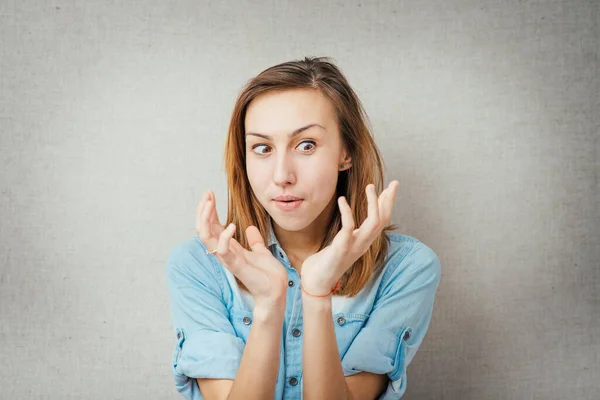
266 279
323 376
257 374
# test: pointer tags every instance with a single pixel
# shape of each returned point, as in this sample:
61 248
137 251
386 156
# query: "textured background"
113 117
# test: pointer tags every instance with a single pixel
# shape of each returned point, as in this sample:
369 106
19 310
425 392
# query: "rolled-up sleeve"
205 342
399 319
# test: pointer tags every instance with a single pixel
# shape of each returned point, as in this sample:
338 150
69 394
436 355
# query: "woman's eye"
305 146
305 149
259 146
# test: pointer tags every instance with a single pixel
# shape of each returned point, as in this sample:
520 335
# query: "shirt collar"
271 238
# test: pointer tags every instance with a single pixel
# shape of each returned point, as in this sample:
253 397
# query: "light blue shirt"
379 330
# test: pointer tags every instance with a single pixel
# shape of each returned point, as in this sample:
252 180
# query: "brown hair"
244 208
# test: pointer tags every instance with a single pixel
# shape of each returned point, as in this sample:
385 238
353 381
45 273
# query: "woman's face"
293 148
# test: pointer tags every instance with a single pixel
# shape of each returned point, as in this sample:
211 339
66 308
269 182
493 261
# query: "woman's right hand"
263 274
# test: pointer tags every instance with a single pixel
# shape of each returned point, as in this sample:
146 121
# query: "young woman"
305 292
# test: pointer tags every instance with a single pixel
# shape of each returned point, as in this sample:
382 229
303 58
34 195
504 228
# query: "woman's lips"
288 205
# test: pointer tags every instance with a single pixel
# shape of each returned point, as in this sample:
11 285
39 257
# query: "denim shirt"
379 330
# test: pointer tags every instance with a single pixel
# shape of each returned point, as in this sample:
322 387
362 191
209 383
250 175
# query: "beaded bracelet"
335 288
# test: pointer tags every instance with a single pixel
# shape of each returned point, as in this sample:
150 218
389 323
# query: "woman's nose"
284 171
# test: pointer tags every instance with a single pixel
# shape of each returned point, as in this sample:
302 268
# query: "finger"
255 239
226 256
392 186
386 202
234 260
235 246
199 211
372 222
206 235
214 218
257 247
345 234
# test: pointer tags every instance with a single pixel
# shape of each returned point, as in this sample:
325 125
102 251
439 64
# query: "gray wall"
113 118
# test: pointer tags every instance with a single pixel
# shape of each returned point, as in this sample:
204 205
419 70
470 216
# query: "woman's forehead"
279 112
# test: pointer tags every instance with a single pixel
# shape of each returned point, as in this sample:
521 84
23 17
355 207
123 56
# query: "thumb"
255 239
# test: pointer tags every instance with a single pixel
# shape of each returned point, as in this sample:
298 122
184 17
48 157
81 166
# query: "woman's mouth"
288 205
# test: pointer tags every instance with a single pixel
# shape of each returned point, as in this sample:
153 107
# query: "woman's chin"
290 222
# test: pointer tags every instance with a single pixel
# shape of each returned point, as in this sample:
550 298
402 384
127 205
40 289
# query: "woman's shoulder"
189 258
408 255
191 248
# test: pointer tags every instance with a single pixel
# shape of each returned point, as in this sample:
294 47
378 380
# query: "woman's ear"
345 164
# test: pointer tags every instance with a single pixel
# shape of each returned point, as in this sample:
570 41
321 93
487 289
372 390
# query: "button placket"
293 339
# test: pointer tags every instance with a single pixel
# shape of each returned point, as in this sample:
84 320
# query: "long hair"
244 209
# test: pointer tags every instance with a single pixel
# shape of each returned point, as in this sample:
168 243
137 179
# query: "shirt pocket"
241 320
347 326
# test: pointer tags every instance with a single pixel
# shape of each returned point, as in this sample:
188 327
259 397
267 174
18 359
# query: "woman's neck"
298 245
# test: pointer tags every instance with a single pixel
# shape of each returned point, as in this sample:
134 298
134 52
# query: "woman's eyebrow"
290 135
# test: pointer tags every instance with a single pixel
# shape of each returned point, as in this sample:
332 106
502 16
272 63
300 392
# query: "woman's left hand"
321 271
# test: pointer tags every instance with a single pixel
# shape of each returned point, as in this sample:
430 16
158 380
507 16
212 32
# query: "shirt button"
247 320
291 283
341 321
293 381
178 335
296 332
280 254
406 335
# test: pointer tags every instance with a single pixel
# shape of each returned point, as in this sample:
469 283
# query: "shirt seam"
219 279
396 261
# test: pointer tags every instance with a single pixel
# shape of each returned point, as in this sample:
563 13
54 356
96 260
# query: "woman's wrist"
269 311
312 303
323 292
